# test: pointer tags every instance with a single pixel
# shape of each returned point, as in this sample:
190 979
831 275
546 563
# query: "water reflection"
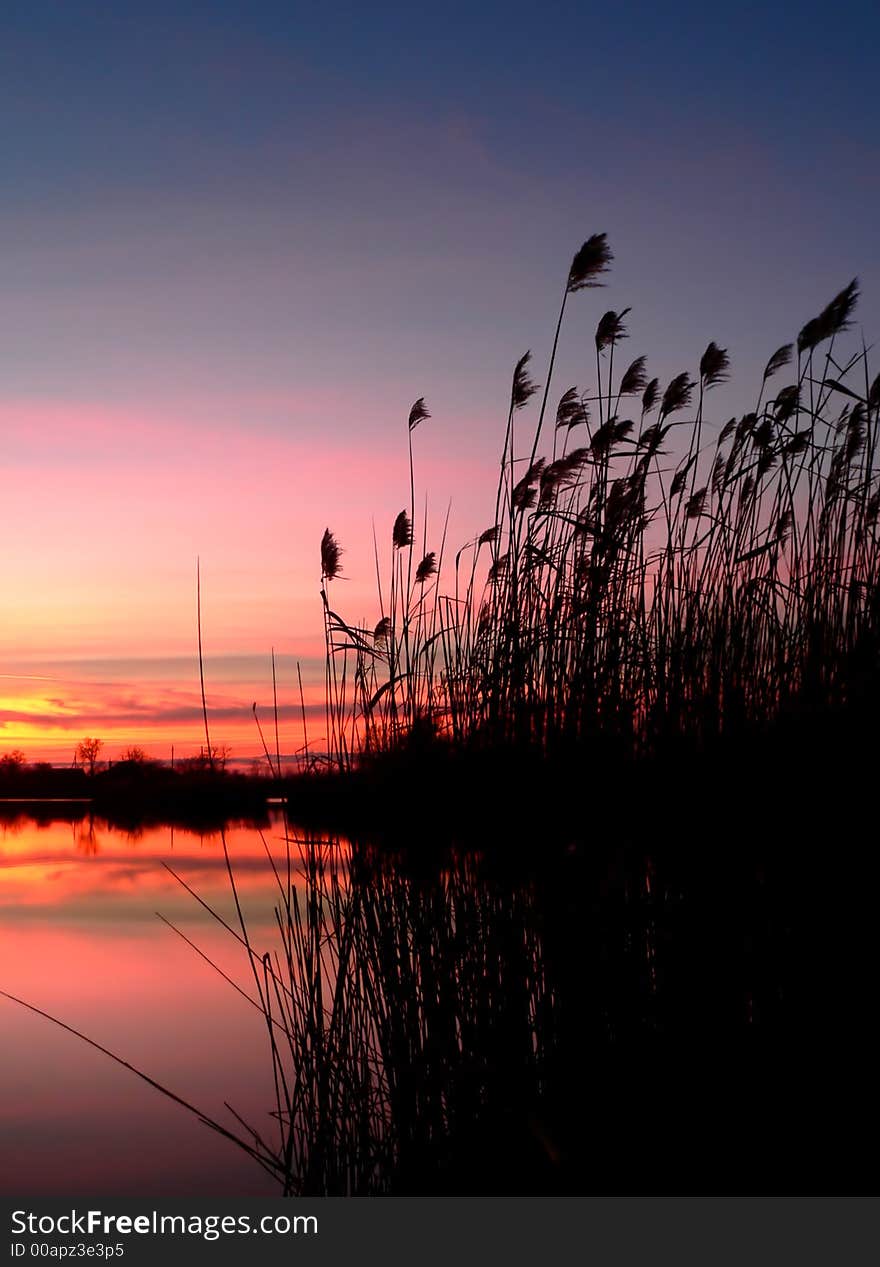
79 938
537 1026
519 1019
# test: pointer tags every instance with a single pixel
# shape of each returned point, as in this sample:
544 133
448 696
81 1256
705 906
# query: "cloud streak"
47 715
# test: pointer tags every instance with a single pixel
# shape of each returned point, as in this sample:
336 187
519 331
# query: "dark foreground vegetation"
605 917
649 690
678 998
649 576
139 793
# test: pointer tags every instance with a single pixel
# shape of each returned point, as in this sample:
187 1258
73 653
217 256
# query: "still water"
418 1035
524 1016
80 939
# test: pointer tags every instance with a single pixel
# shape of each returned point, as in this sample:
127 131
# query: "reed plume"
331 556
418 413
590 263
650 396
427 568
834 318
402 532
634 379
677 395
522 388
649 579
780 358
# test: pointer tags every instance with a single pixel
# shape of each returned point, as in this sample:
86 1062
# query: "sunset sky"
237 240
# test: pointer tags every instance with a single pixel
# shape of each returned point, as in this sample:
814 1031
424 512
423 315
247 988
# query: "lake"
439 1030
80 939
531 1016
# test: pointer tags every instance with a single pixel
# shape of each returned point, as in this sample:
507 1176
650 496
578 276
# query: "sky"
237 240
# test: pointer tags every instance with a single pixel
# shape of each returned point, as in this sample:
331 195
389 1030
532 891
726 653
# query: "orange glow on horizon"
114 503
46 721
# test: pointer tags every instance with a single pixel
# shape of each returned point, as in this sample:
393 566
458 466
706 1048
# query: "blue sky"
219 192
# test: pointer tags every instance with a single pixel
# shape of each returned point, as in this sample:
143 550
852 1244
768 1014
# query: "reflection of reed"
408 1016
401 1013
592 1019
601 1021
465 1030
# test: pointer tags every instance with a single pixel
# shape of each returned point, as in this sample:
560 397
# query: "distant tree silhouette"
217 755
12 762
87 752
213 758
135 754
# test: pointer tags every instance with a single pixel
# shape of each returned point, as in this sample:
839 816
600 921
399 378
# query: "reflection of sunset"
80 938
388 436
144 993
69 870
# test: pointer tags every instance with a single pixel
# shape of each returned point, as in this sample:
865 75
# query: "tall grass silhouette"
391 1006
645 573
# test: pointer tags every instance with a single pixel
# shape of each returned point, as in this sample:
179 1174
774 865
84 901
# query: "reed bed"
398 1011
467 1029
645 573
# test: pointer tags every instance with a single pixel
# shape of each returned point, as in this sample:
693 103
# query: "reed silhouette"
650 576
677 999
625 1016
639 953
